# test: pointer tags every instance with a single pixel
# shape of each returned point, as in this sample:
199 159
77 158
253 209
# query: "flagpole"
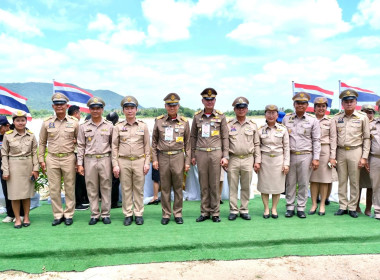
53 86
293 87
340 104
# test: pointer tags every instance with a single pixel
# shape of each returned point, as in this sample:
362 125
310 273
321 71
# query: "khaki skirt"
271 179
324 173
19 184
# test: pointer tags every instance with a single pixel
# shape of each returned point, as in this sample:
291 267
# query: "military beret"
209 93
129 101
95 102
172 99
320 100
368 107
348 94
301 97
271 108
19 113
240 102
59 98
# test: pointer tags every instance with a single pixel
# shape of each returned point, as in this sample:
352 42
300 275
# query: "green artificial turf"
42 247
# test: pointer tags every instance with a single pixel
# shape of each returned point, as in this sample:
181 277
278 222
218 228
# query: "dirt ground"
321 267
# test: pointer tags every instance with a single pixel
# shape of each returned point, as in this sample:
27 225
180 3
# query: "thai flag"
365 96
314 91
76 95
11 102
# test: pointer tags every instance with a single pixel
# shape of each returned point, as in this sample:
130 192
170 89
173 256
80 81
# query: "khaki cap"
172 99
209 93
320 100
348 94
240 102
129 101
301 97
271 108
19 113
59 98
95 102
368 107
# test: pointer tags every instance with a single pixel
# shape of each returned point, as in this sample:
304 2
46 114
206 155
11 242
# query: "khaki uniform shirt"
275 140
209 132
328 135
171 135
130 140
60 135
304 133
94 139
244 139
375 136
353 131
16 145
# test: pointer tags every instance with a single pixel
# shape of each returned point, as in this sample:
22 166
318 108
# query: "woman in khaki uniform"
275 156
19 154
322 177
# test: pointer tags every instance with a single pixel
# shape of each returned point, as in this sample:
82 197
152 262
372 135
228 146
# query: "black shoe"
139 220
245 216
128 220
312 212
274 216
353 214
221 201
341 212
267 216
68 221
178 220
81 207
93 221
321 213
289 213
106 220
165 221
25 224
377 219
18 226
327 202
115 206
216 219
232 217
56 222
202 218
301 214
155 202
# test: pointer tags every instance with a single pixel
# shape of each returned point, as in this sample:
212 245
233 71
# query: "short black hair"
73 109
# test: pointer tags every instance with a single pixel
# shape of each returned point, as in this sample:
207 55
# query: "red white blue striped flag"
314 91
10 102
365 96
76 95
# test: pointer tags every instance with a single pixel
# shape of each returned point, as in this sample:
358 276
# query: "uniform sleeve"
286 147
81 144
315 138
186 143
224 135
115 146
4 156
146 145
36 165
333 139
42 144
256 143
155 139
366 138
193 137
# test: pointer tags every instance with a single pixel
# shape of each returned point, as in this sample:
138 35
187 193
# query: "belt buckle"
208 150
298 153
271 155
241 157
347 148
59 155
170 153
132 158
98 156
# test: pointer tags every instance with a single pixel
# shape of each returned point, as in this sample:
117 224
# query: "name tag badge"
215 133
340 120
168 134
206 130
179 139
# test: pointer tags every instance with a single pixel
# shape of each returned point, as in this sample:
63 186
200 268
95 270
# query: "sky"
150 48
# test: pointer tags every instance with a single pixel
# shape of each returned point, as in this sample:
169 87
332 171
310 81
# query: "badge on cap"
271 107
58 96
95 99
241 100
19 113
129 99
209 92
348 92
301 95
172 97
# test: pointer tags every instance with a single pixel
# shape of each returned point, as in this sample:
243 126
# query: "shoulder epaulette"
9 132
310 115
107 121
73 118
141 121
365 114
197 112
48 118
29 131
184 118
340 112
230 120
219 112
262 126
160 117
86 120
252 121
288 114
119 122
281 125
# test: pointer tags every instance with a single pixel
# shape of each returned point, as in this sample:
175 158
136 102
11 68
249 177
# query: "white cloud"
369 13
101 23
369 42
19 22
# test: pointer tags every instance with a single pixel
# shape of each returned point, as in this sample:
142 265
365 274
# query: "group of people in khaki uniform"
302 149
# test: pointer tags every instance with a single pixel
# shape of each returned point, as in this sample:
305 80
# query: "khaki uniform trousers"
209 178
171 169
239 169
98 176
347 167
299 172
374 164
132 181
56 168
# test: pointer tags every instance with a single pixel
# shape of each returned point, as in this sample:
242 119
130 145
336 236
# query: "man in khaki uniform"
374 163
353 148
171 155
209 150
304 134
244 146
131 160
94 160
60 133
